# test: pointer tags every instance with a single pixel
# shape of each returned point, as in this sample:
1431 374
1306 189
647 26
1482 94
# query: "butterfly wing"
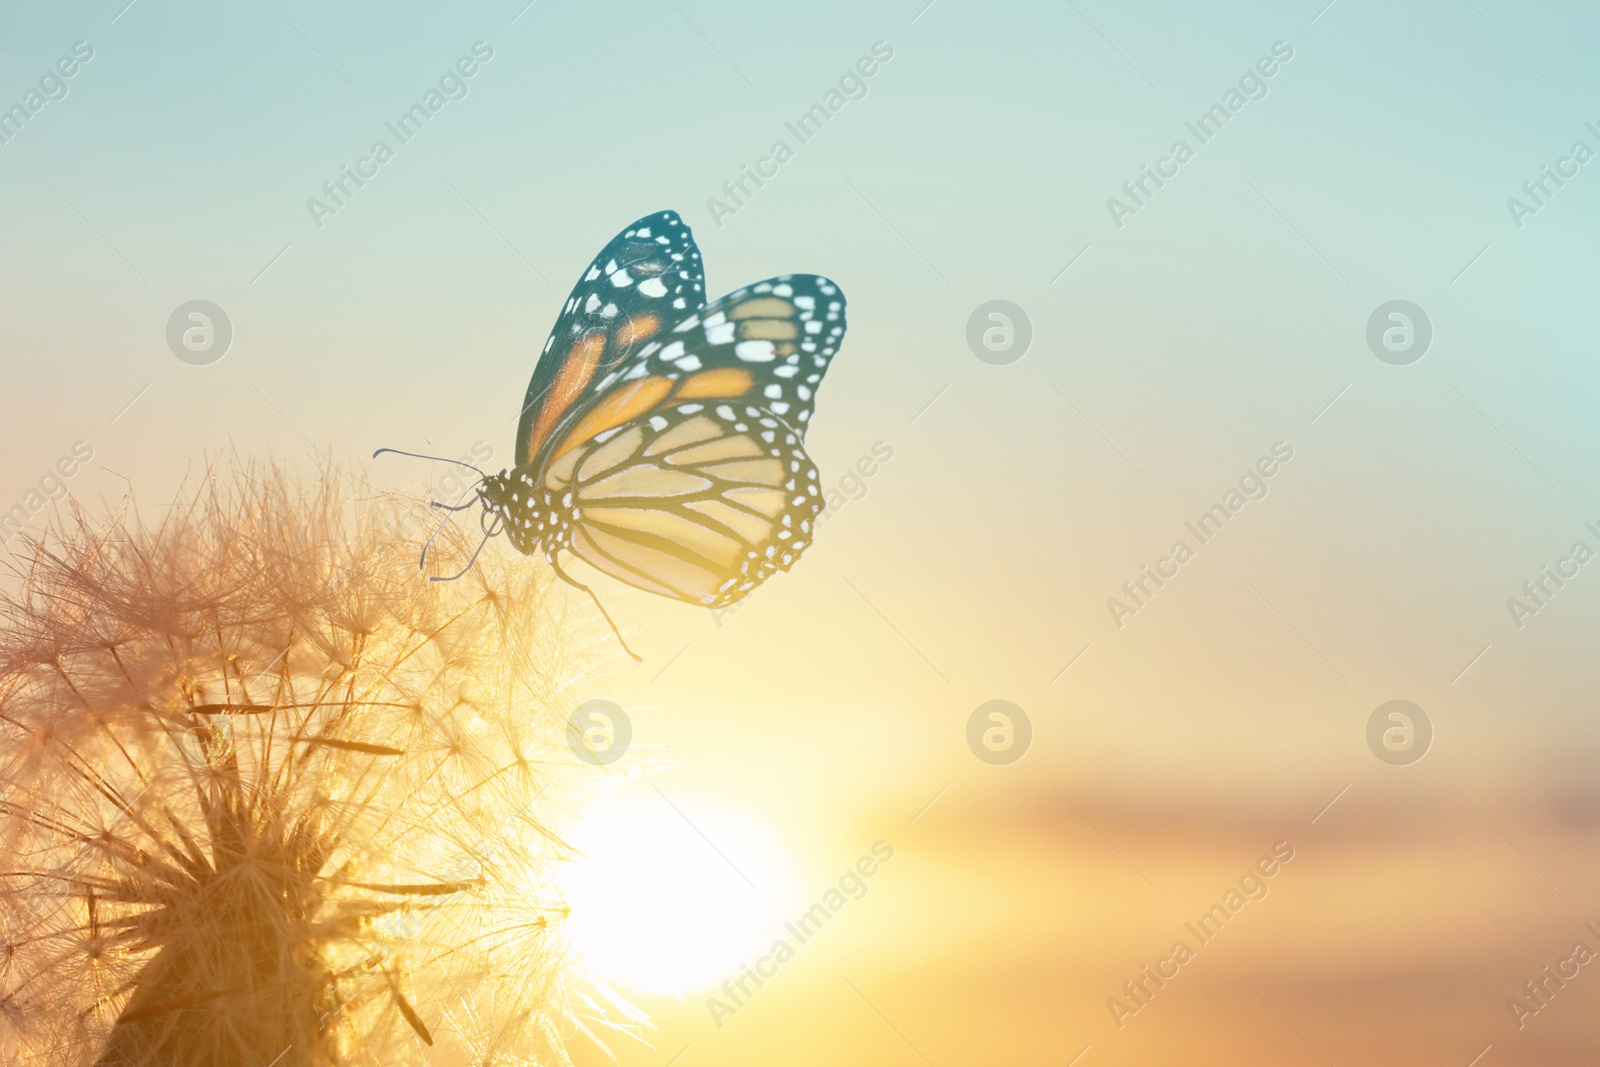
646 278
696 502
768 345
681 450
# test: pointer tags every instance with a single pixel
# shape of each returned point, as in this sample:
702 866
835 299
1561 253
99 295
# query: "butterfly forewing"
768 344
648 278
697 502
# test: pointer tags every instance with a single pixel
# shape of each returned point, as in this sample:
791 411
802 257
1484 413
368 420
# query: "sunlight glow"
672 897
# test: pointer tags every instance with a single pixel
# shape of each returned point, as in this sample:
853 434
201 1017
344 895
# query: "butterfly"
662 439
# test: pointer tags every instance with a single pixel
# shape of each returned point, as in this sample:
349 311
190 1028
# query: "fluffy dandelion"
268 797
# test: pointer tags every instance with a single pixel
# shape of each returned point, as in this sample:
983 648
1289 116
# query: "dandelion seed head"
267 795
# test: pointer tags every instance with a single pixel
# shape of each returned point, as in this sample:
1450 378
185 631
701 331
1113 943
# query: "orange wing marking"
637 329
576 372
714 384
627 402
623 404
762 307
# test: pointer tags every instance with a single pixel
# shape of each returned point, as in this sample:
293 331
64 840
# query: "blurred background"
1157 350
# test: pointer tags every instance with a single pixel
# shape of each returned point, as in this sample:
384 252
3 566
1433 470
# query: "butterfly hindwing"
768 344
700 502
646 279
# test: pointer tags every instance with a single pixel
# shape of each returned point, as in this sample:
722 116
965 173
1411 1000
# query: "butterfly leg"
565 577
463 502
422 560
468 567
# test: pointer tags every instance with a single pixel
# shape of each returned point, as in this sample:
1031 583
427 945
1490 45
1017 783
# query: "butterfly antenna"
603 612
419 455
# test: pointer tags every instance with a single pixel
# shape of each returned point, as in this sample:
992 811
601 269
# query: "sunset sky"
1220 324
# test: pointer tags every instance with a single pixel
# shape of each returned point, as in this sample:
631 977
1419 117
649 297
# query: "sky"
1185 338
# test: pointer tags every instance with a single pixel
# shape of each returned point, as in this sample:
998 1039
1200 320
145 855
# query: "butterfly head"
534 517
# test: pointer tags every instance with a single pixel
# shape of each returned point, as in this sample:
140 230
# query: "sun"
670 896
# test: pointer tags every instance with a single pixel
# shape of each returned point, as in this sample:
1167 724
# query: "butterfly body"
536 520
662 439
